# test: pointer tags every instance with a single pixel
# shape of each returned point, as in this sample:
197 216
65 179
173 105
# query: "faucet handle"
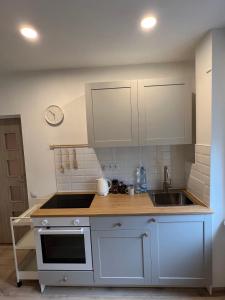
170 183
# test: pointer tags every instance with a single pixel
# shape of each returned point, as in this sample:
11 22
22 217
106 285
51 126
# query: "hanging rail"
52 147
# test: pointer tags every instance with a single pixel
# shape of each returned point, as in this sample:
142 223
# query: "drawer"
61 221
66 278
115 223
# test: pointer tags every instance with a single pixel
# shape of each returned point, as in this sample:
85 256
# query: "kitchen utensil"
61 169
67 159
75 164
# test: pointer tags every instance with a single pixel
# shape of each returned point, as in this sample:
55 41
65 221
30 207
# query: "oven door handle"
61 231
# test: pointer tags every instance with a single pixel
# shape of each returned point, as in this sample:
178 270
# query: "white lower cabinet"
157 251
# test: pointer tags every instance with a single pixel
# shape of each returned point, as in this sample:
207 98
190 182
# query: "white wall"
28 94
218 156
198 173
203 67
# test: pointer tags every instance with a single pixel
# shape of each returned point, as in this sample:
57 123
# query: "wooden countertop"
120 204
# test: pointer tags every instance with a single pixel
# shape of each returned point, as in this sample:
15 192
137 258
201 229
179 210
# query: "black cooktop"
69 201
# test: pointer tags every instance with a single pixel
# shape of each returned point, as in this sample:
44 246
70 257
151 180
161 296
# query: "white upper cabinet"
165 116
145 112
112 114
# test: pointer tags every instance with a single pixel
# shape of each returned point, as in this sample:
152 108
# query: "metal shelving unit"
24 247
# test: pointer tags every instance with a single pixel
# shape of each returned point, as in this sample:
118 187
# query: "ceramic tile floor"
30 290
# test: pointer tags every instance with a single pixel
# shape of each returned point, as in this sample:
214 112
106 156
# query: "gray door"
121 257
13 192
181 255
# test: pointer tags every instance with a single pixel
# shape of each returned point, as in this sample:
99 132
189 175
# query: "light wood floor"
30 290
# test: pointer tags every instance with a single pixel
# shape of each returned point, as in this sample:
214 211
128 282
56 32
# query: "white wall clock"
54 115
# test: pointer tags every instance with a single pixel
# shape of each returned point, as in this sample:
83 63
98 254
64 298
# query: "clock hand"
52 112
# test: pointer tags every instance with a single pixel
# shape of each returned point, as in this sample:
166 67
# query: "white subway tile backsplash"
203 149
196 187
82 179
198 174
203 159
120 163
63 187
206 180
85 186
203 169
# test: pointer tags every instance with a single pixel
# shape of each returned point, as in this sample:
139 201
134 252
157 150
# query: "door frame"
18 116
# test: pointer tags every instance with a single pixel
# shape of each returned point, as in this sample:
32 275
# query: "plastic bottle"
138 181
143 180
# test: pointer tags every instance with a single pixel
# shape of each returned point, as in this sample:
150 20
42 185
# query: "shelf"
28 264
28 275
28 268
27 241
25 261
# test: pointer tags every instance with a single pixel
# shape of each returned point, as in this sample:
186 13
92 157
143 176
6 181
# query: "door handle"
55 231
117 225
145 234
152 220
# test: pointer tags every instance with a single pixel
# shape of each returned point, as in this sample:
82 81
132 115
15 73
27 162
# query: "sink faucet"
166 181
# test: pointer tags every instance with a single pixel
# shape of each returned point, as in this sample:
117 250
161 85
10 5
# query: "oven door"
63 248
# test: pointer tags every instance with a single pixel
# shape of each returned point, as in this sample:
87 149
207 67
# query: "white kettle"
103 186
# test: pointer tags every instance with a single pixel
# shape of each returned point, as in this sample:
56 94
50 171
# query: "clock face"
54 115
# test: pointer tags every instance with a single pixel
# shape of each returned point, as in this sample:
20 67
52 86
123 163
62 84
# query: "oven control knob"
65 278
44 222
76 222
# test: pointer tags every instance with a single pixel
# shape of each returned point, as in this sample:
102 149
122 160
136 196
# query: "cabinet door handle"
117 225
152 220
145 234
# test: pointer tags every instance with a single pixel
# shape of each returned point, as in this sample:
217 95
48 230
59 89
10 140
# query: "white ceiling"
84 33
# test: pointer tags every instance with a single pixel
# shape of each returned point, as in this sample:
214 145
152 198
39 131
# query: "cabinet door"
165 111
121 257
181 256
112 114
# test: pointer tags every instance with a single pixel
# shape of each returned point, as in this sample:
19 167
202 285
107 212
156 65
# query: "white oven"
63 248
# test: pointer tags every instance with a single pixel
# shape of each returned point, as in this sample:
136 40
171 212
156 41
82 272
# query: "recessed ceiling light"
29 33
148 23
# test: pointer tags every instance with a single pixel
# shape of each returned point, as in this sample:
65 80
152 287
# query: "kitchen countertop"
120 204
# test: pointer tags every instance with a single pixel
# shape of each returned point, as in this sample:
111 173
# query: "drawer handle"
65 278
145 234
117 225
152 220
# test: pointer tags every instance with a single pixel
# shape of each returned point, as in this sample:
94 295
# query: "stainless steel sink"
170 198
